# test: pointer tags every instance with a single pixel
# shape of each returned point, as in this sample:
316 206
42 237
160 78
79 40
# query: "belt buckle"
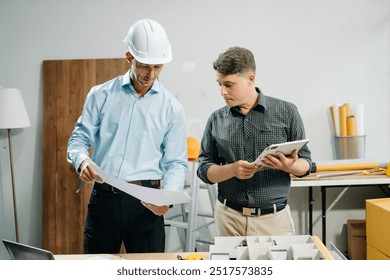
251 211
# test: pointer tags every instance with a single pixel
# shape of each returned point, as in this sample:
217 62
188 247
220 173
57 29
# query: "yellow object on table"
191 257
349 166
368 172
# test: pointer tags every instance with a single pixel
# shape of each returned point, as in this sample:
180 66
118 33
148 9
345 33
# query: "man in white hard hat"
137 130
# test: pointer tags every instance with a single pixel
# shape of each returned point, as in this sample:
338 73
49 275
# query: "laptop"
19 251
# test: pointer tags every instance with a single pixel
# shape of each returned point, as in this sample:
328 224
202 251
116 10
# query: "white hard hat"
148 43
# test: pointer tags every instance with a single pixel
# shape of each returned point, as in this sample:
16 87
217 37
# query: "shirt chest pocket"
266 136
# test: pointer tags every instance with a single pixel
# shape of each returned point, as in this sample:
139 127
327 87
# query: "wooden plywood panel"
48 155
108 68
65 86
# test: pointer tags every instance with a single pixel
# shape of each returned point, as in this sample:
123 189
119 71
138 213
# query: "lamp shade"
13 112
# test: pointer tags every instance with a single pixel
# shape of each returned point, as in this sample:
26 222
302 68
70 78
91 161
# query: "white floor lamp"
13 114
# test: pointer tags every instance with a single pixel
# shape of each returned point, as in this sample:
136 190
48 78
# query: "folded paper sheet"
157 197
336 120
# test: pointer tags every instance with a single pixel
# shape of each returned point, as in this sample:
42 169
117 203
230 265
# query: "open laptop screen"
19 251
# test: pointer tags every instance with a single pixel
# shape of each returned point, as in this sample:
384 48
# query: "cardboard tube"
350 166
347 109
344 147
336 118
351 126
343 120
352 146
332 116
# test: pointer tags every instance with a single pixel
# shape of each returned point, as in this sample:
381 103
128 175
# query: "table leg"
193 212
311 210
323 206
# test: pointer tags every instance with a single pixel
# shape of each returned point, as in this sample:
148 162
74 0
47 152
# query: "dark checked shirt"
230 136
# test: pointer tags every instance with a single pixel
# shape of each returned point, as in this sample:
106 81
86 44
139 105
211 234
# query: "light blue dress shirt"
132 138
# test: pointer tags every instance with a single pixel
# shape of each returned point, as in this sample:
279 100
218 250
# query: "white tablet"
286 148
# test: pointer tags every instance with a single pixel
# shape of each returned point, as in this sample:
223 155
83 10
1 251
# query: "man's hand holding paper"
156 197
87 172
157 210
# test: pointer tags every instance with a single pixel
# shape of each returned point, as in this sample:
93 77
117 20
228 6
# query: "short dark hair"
235 60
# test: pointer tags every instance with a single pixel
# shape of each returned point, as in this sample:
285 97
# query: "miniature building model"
291 247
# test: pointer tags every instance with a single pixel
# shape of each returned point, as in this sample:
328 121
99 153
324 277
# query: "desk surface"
165 256
379 178
138 256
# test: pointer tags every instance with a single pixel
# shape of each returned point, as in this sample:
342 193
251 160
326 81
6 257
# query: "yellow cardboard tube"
347 109
351 126
349 166
343 120
332 115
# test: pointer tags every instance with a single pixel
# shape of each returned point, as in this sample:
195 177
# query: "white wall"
312 53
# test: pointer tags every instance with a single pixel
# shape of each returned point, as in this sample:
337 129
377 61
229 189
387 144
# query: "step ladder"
187 218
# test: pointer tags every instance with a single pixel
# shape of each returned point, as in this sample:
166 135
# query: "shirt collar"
126 82
261 103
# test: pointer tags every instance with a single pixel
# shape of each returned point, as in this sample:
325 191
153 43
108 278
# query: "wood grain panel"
108 68
66 83
48 158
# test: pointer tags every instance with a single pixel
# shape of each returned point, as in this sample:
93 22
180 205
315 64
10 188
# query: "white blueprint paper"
149 195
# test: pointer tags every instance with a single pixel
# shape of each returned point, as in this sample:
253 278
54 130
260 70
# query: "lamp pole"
13 114
13 185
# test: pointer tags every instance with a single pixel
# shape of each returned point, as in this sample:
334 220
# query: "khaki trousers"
230 222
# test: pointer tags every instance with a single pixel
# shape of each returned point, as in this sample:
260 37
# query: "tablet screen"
286 148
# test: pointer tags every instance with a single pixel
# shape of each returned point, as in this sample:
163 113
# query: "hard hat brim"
152 60
148 60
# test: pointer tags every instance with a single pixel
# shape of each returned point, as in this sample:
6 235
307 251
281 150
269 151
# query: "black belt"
145 183
252 211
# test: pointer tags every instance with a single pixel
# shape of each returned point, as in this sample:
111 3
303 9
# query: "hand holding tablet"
285 148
